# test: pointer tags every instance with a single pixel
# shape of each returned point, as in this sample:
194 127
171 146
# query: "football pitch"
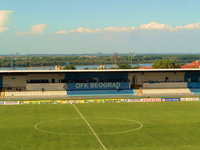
116 126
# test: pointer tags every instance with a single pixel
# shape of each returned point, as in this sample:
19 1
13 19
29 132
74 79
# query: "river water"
77 67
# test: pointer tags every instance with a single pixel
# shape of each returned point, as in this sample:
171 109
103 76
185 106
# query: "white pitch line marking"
111 133
90 127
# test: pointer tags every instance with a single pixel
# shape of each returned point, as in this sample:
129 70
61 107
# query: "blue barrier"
101 92
170 99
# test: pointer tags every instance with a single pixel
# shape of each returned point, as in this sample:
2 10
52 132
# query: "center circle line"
109 133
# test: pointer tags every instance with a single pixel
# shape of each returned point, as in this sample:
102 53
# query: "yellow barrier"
139 92
3 92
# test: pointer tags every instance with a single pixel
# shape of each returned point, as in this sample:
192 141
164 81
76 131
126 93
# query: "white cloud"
118 29
83 30
80 30
36 29
4 14
189 26
62 32
149 27
98 30
155 26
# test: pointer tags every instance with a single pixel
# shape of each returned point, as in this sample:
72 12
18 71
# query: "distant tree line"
164 64
38 61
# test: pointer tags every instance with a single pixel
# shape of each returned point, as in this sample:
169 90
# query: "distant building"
115 66
101 67
195 64
57 67
144 67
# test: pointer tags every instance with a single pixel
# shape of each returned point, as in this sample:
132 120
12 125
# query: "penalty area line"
90 127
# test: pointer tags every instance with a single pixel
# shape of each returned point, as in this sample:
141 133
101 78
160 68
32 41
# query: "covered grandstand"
67 83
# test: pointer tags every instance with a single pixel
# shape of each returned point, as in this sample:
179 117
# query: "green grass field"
166 126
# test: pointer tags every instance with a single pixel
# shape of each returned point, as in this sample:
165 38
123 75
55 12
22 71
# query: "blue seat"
101 92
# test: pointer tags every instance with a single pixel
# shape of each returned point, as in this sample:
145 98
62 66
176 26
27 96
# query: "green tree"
69 67
124 66
162 64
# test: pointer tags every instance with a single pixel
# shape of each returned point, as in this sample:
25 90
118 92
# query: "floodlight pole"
131 53
131 58
11 60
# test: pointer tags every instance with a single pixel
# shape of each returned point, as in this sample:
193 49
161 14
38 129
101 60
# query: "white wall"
46 86
156 76
165 85
14 81
45 76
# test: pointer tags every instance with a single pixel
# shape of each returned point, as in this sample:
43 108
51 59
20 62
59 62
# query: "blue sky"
90 26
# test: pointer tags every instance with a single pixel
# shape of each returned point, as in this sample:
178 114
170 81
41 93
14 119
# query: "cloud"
80 30
4 14
149 27
159 26
36 29
118 29
98 30
62 32
83 30
189 26
155 26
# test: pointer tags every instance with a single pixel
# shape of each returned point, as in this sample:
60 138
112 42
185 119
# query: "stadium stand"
98 84
63 83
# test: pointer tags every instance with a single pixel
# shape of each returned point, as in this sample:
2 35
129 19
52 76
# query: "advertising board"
190 99
11 102
170 99
133 100
151 100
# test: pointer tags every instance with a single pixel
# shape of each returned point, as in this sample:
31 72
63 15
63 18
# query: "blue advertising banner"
170 99
98 86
